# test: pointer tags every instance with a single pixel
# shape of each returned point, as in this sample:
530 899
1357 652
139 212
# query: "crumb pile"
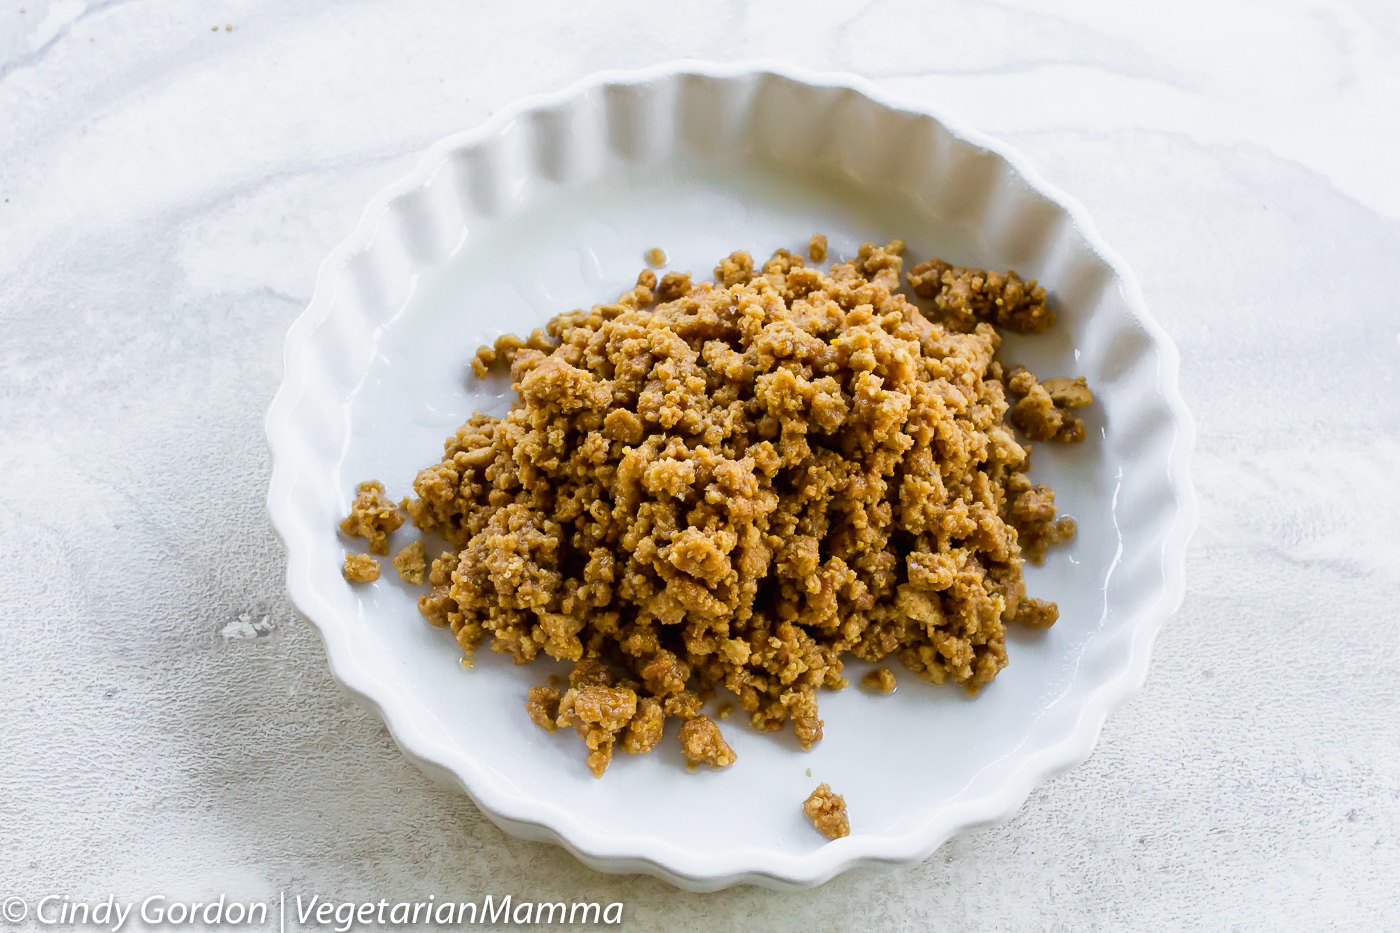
735 483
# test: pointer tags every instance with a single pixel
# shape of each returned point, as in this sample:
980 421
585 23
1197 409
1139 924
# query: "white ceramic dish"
550 206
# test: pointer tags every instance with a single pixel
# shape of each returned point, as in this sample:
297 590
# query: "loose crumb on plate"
656 256
816 248
597 713
506 347
1043 410
674 285
702 743
360 568
827 811
542 705
880 680
372 516
412 563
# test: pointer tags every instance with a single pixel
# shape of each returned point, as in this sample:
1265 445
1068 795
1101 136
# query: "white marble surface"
169 190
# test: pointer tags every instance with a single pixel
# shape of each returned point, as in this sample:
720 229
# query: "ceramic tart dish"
552 205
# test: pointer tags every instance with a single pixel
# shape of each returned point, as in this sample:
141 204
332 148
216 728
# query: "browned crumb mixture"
505 348
412 563
816 248
372 516
702 744
967 296
542 705
1043 409
827 811
656 256
360 568
880 680
598 714
734 483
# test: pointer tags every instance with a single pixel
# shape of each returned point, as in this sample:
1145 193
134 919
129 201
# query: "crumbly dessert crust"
372 516
360 568
735 483
412 563
827 811
880 680
702 743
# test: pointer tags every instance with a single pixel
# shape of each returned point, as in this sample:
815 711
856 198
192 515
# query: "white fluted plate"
551 206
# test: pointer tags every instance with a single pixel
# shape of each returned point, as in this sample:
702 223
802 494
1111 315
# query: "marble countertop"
172 176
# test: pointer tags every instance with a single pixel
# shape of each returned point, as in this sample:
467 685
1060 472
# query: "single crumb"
228 27
724 710
412 563
360 568
644 731
656 256
740 483
597 713
673 285
1043 410
880 680
702 743
816 248
467 662
809 772
372 516
542 705
827 811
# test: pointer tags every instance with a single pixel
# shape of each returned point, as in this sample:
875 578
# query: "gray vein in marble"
35 57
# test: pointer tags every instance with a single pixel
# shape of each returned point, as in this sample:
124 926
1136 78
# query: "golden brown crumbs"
880 680
508 345
827 811
1043 410
372 516
816 248
702 744
1033 511
644 732
360 568
411 563
673 285
542 706
724 710
656 256
967 296
598 713
735 483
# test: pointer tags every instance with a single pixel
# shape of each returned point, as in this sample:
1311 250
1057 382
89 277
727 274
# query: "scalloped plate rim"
651 854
